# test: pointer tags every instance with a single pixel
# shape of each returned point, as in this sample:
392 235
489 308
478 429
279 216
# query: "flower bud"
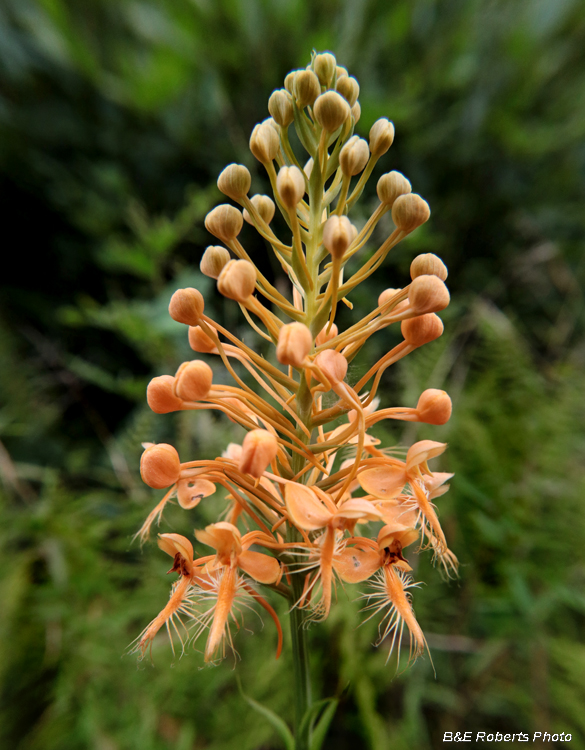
193 380
264 142
434 406
333 365
392 185
289 81
234 181
354 156
381 136
324 336
237 280
324 66
233 452
356 112
428 294
306 88
199 341
214 259
338 234
331 111
349 89
294 344
290 184
281 108
410 211
259 449
308 168
341 71
428 264
225 222
369 409
265 207
160 395
421 330
186 306
160 466
386 295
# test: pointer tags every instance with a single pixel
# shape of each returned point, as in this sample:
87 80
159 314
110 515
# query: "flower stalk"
321 502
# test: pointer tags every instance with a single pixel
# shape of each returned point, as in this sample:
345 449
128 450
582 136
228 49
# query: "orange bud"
289 81
160 466
410 211
294 344
264 142
422 329
428 294
387 295
290 185
326 334
199 341
324 66
391 186
265 207
306 88
354 156
281 108
193 380
186 306
349 89
225 222
160 395
331 111
235 181
237 280
434 406
381 136
233 452
258 450
428 264
333 365
214 259
338 234
356 112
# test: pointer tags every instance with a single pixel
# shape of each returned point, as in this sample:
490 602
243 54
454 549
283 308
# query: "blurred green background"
115 120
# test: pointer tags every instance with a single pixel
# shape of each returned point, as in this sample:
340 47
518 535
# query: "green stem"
301 671
304 407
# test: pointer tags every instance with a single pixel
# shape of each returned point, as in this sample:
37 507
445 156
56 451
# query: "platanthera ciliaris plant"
311 505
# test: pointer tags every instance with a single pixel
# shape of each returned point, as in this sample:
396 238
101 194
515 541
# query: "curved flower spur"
287 482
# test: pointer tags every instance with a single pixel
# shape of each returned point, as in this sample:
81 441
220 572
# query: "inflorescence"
287 483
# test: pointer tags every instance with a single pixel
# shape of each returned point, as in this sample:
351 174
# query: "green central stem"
301 668
304 407
302 676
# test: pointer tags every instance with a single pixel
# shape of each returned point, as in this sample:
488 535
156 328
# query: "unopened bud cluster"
316 495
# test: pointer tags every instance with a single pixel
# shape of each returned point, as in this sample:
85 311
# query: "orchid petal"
260 567
383 481
306 510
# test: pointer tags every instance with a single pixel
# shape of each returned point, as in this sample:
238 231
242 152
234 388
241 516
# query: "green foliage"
115 120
